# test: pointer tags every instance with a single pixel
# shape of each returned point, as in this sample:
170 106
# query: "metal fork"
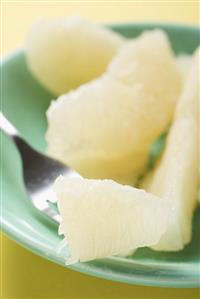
39 171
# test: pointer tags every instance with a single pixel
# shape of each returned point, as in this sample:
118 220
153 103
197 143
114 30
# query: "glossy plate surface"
24 102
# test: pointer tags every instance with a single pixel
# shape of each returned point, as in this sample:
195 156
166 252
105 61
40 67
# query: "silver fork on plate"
39 171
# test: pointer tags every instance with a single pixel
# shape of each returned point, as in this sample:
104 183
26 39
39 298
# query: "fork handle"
7 127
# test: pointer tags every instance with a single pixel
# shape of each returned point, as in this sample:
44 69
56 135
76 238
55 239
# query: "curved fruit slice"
104 128
67 52
188 104
101 218
176 178
183 63
148 63
95 129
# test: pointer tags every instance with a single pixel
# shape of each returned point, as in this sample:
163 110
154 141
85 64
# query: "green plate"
24 102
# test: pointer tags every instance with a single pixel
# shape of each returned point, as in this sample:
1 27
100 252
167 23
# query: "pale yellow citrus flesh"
102 218
183 63
64 53
104 128
176 178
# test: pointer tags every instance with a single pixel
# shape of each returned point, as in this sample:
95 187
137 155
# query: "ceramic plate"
24 102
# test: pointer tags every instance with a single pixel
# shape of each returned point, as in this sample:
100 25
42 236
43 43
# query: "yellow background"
23 274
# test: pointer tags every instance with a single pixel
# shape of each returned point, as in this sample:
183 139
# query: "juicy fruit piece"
176 178
104 128
101 218
176 181
67 52
148 63
91 130
183 63
188 104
